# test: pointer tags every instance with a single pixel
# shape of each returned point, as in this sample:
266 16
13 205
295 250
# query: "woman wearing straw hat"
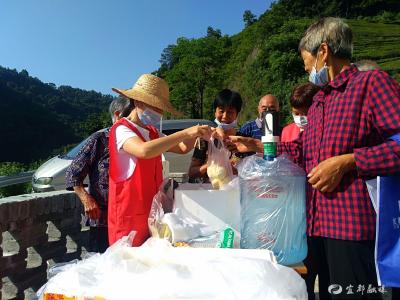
135 157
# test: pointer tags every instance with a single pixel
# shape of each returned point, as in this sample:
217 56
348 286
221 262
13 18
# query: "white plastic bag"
156 270
219 168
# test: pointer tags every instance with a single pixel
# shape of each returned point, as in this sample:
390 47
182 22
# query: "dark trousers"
98 239
346 269
311 275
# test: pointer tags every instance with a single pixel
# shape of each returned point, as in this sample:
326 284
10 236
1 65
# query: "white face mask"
149 117
300 121
226 126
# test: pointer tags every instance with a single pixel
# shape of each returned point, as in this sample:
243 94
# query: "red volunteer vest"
129 201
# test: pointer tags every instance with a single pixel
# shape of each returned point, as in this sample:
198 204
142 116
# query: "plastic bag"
384 192
171 223
219 168
273 208
156 270
163 203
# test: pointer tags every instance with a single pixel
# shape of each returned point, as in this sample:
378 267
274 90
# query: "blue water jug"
273 213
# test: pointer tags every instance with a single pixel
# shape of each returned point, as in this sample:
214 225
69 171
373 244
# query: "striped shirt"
250 129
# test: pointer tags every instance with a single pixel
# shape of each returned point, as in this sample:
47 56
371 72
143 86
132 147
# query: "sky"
99 44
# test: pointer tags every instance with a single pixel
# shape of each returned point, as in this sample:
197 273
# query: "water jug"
273 208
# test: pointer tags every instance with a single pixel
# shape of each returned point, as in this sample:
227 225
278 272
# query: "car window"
71 154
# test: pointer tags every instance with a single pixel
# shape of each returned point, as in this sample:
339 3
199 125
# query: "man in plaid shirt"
347 141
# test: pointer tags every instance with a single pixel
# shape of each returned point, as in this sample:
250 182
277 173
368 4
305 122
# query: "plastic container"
273 208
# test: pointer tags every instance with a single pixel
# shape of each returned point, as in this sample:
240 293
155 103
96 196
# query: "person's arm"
247 144
77 172
183 147
244 144
383 100
197 168
153 148
384 112
90 205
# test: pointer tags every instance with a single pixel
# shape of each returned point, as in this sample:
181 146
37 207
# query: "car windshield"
71 154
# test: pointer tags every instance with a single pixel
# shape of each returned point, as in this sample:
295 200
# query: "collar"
258 123
337 82
343 77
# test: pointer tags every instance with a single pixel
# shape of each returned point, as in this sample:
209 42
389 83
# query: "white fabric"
259 122
128 161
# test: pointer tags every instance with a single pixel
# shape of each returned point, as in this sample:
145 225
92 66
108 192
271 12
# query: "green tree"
13 168
211 32
196 71
249 18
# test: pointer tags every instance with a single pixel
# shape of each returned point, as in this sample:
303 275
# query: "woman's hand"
202 131
223 134
92 210
327 175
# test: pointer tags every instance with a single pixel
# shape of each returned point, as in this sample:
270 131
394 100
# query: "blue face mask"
321 77
149 117
226 126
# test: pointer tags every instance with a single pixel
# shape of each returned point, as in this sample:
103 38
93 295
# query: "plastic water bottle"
273 208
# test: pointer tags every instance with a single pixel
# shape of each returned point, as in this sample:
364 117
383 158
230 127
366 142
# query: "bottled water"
273 208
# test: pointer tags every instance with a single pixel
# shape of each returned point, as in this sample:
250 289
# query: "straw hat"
151 90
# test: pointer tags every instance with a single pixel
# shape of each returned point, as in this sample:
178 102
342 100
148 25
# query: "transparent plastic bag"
273 207
219 168
163 202
156 270
173 224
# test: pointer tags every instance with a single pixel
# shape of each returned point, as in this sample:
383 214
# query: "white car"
51 175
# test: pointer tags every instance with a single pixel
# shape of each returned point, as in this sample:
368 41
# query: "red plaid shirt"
357 112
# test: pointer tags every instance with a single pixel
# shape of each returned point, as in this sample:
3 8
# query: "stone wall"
38 230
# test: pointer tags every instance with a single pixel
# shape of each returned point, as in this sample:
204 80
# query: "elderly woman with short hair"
353 125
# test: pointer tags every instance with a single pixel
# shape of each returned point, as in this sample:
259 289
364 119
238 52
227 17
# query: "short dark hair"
302 95
227 98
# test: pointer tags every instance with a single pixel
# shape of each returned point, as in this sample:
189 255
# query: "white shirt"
127 161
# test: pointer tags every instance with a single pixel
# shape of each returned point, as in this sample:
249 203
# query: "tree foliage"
13 168
263 58
195 72
38 117
248 18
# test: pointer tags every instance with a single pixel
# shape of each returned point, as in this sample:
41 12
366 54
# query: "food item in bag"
218 175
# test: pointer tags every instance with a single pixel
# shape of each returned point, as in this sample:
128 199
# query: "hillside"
263 58
38 118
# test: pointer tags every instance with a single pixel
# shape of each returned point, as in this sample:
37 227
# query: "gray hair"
332 31
122 105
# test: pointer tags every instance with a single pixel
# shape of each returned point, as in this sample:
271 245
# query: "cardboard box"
217 208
